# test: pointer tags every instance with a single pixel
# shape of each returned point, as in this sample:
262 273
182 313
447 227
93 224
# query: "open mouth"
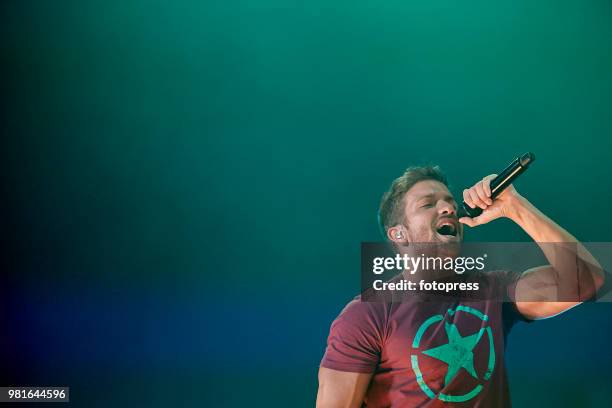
447 228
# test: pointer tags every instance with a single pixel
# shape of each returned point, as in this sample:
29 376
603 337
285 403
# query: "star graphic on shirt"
457 352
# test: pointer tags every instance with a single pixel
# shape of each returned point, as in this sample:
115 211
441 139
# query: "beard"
429 242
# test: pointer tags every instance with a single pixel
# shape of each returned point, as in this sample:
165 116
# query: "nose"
446 208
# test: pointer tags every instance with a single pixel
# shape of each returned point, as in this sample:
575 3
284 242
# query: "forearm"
576 272
537 225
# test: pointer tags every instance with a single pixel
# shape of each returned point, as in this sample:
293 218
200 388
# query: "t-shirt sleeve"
355 338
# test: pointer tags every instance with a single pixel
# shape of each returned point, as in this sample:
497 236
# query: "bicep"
536 294
340 389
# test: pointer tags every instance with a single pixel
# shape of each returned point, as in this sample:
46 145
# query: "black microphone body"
499 183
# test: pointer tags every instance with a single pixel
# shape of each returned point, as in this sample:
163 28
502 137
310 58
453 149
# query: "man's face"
431 214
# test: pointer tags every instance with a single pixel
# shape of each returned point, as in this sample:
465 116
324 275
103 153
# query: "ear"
397 234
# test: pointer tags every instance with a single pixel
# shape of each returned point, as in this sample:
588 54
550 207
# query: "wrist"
517 207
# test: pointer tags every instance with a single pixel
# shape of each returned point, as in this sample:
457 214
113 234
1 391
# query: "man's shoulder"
360 311
361 321
359 305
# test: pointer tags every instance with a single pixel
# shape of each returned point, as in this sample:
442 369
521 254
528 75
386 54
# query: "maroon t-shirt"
444 353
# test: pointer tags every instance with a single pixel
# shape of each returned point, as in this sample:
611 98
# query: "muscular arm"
339 389
573 274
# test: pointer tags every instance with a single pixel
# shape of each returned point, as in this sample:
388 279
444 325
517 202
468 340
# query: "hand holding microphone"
486 194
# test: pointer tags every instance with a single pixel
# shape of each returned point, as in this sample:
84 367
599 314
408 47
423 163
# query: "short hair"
391 211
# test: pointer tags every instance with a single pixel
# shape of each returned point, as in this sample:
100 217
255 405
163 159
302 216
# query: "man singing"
448 352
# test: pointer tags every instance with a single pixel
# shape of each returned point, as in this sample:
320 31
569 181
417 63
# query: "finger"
467 221
482 194
468 199
481 219
474 222
476 199
486 183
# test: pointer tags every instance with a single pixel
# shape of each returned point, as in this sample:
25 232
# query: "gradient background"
187 183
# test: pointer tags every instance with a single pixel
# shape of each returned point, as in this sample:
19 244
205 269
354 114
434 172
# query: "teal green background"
189 182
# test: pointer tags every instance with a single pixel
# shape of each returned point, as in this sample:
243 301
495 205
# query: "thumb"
471 222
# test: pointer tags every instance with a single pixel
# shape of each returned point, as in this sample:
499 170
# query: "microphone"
499 183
